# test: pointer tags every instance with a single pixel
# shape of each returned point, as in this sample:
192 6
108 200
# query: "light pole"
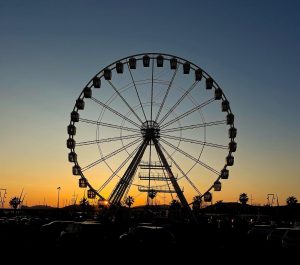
58 190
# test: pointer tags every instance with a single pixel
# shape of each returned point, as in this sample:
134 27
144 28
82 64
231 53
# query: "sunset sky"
49 50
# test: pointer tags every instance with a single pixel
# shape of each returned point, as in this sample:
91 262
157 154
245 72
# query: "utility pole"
58 190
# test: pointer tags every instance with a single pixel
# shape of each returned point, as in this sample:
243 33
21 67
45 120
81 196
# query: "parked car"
291 239
50 232
148 235
274 238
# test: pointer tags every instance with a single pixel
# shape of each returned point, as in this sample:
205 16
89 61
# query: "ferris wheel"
151 124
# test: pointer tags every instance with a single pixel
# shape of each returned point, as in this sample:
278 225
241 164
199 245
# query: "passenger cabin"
159 61
198 75
230 160
209 83
87 92
225 105
186 68
76 170
82 183
232 132
217 185
74 116
119 68
96 82
232 146
80 104
146 61
107 74
132 63
71 143
72 156
207 196
218 94
173 63
91 194
230 119
224 173
71 129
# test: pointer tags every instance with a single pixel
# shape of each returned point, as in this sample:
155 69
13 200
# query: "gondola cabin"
207 197
225 105
119 68
217 186
71 129
230 119
173 63
82 183
132 63
76 170
72 156
87 92
198 75
91 194
71 143
232 146
80 104
107 74
186 68
159 61
96 82
146 61
218 94
74 116
224 173
209 83
230 160
232 132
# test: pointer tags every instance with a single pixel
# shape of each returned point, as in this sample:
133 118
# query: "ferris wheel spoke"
178 102
118 169
191 157
188 112
115 112
152 89
110 155
194 141
110 139
181 171
165 97
193 126
137 93
124 100
105 124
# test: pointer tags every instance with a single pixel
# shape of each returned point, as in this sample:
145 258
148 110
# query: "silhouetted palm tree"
243 198
292 200
15 202
129 201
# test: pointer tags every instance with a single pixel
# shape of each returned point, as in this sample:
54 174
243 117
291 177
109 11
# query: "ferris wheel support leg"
177 189
119 190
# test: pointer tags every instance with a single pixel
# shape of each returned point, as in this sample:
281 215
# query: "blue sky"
50 49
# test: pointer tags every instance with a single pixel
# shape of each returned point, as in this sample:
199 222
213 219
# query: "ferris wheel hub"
150 130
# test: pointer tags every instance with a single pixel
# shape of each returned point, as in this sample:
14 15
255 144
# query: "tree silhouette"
243 198
196 204
291 200
84 204
129 201
15 202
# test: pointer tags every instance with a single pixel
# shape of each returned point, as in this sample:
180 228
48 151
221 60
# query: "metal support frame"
179 192
120 189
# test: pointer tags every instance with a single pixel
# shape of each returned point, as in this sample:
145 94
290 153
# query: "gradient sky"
50 49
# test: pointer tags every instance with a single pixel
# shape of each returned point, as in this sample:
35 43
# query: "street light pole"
58 190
